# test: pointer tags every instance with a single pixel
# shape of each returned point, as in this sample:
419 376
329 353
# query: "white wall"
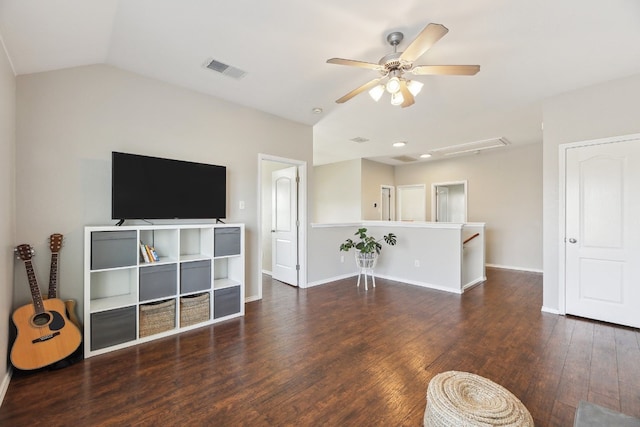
7 206
504 191
374 175
337 192
599 111
69 121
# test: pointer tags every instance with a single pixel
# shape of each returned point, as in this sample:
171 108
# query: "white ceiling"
527 50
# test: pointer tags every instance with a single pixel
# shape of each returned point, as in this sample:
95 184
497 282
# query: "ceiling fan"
393 66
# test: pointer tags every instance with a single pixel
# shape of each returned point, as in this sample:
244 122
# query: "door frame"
562 196
392 202
434 197
399 189
302 216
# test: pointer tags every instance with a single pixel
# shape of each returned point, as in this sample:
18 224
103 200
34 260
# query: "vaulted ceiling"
527 50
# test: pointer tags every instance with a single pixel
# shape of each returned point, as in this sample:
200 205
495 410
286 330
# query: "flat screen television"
144 187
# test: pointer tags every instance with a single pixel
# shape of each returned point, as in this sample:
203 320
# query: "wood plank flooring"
336 355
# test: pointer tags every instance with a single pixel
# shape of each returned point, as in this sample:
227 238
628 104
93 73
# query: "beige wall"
603 110
337 192
69 121
7 205
374 175
504 191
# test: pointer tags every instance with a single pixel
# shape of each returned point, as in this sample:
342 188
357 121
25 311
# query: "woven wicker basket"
157 317
462 399
194 309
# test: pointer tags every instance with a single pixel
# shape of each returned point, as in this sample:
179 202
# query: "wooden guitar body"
43 338
45 334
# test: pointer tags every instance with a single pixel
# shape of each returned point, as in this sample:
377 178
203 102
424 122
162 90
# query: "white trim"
562 211
421 284
510 267
332 279
302 216
267 272
251 299
4 385
474 283
549 310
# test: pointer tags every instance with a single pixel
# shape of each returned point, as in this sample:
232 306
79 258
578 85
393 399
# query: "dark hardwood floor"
336 355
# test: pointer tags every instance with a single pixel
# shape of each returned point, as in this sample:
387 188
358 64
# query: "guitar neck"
33 286
53 276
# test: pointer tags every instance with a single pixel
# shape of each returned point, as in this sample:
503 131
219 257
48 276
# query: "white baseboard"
509 267
251 299
329 280
267 272
549 310
422 284
4 385
474 283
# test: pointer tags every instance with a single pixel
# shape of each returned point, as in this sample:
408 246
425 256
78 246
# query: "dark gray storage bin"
113 327
110 249
158 281
226 241
195 276
226 301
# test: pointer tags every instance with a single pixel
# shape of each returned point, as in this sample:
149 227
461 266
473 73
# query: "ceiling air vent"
225 69
471 147
359 139
404 159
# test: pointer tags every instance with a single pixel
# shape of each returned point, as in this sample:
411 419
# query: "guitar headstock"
55 242
25 252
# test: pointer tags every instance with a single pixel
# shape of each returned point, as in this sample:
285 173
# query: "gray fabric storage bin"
110 249
226 241
195 276
158 281
113 327
226 301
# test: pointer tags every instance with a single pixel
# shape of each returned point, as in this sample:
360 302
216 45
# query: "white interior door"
412 203
284 230
602 232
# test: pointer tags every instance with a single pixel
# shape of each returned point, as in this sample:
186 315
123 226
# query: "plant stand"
366 262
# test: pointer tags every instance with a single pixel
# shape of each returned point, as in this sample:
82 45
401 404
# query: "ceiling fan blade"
427 38
353 63
356 91
406 94
459 70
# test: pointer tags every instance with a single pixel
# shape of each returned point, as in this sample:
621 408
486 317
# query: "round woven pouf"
462 399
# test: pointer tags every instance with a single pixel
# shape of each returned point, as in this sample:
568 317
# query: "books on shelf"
148 253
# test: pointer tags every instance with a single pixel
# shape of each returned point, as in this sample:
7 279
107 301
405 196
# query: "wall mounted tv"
144 187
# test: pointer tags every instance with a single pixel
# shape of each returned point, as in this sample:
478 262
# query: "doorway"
412 202
387 203
273 173
449 202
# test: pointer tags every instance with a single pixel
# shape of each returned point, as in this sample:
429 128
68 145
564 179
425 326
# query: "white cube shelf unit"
198 280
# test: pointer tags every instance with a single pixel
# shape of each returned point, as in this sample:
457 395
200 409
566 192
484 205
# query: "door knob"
572 240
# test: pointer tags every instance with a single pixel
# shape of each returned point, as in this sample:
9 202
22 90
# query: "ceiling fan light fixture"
397 98
393 85
414 87
376 92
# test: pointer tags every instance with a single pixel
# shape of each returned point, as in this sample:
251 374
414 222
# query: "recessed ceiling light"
399 144
425 156
317 110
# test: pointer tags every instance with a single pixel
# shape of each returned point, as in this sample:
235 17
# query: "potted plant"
367 251
368 244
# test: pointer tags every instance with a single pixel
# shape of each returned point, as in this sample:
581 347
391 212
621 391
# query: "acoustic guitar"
45 334
55 244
